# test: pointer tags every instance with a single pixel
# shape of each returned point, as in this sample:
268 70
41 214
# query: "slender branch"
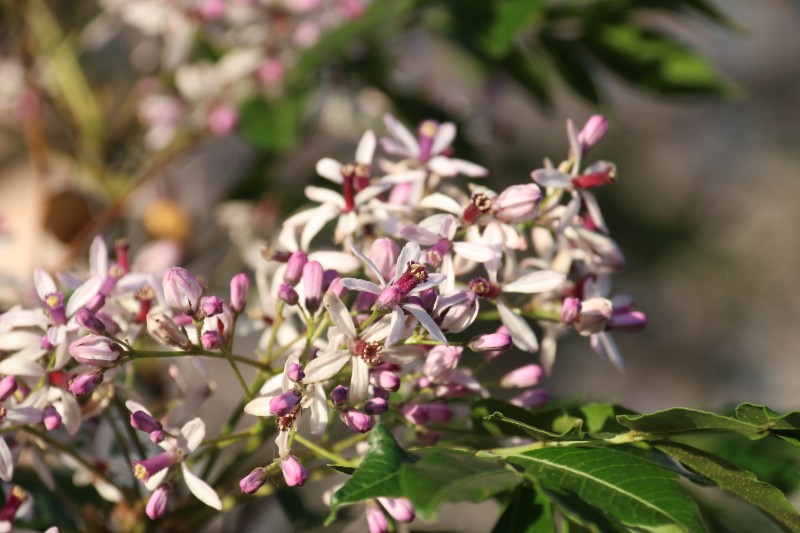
322 452
160 354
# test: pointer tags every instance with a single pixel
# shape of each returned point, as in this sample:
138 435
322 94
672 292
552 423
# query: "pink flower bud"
112 328
629 321
283 404
383 253
524 376
145 422
85 383
96 303
210 340
8 386
385 379
532 398
399 508
182 290
212 306
271 71
592 132
254 480
294 268
415 413
157 504
339 395
312 285
441 361
518 203
223 119
293 472
166 331
147 468
240 286
439 413
295 372
376 406
51 418
86 318
95 350
491 342
594 315
212 9
356 420
376 520
286 293
570 310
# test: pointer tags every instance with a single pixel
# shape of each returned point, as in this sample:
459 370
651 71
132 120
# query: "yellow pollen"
361 171
145 293
140 472
115 271
52 301
418 272
20 493
482 202
428 128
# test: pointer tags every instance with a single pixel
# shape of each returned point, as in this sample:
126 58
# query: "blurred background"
191 128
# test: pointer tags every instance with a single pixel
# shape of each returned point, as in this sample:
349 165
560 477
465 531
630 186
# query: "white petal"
410 252
324 196
418 234
474 251
43 471
535 282
322 215
369 193
521 333
193 432
330 169
282 440
345 226
25 318
604 344
70 412
319 411
18 366
83 294
259 406
594 211
157 478
44 283
404 176
367 261
6 461
427 322
392 147
359 381
445 134
201 489
396 327
366 148
98 257
572 209
442 166
341 261
339 315
16 340
442 202
325 366
401 133
361 285
468 168
551 177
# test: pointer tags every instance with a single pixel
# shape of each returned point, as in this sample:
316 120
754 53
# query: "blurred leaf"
510 18
453 476
528 512
271 126
653 61
739 482
377 475
631 490
573 66
530 70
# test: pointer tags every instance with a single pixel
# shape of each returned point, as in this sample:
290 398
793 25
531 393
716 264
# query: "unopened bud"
491 342
157 504
212 306
253 481
356 420
182 290
312 285
592 132
85 383
286 293
385 379
293 472
51 418
570 310
283 404
95 350
339 395
240 287
210 340
376 406
166 331
86 318
522 377
399 508
294 268
518 203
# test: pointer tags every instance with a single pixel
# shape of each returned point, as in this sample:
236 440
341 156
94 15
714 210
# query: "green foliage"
595 467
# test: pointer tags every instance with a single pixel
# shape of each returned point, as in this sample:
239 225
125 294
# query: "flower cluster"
423 285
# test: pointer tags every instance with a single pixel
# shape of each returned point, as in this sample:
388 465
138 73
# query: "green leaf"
377 475
631 490
342 469
453 476
683 420
531 70
528 512
573 67
510 18
602 417
581 516
742 483
787 425
271 126
499 418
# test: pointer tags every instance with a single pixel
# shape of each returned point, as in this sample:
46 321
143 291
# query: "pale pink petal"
359 381
418 234
367 261
401 133
83 294
535 282
362 285
605 345
468 168
43 282
573 207
366 148
324 196
410 252
339 315
157 478
445 134
521 333
427 322
22 318
134 406
396 327
319 411
330 169
98 257
402 355
341 261
345 226
434 279
574 145
193 432
551 177
325 366
323 214
70 412
282 441
17 366
201 489
443 166
259 406
474 251
594 211
6 462
392 147
369 193
16 340
24 415
43 471
442 202
404 176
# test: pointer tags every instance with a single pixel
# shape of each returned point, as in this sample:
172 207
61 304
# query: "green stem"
322 452
624 438
372 318
158 354
239 376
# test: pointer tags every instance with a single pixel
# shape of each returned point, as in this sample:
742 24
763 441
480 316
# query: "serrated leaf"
500 418
527 512
683 420
633 491
377 475
741 483
453 476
